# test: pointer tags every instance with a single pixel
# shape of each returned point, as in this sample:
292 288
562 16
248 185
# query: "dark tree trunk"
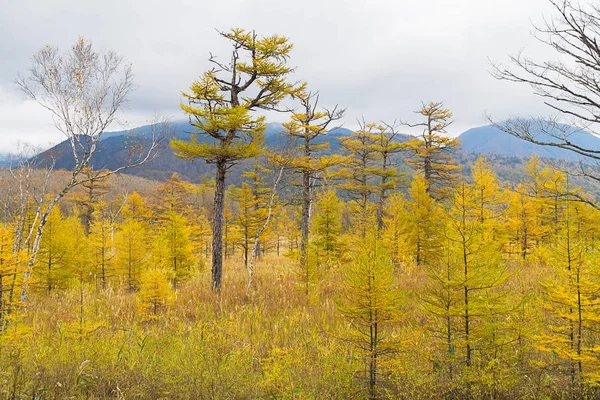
218 219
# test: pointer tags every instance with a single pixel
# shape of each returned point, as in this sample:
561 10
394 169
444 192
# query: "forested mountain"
491 140
509 152
112 152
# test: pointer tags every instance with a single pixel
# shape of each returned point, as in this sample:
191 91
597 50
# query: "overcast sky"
379 59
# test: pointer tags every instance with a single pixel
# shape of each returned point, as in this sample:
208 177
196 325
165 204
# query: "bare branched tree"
569 85
84 91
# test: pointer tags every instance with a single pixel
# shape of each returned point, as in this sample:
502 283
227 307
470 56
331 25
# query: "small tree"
370 302
155 293
220 105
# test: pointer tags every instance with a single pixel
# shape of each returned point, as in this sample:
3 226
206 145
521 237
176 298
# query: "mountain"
111 152
5 159
491 140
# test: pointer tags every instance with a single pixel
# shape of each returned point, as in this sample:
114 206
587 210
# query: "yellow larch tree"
307 126
358 179
370 301
571 289
432 153
423 224
221 105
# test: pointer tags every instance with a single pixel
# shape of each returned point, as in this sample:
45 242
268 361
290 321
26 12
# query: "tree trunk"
382 195
218 217
304 223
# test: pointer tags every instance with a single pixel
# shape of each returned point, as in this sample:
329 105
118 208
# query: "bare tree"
83 90
569 85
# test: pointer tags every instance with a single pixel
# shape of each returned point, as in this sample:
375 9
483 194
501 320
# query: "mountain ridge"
112 149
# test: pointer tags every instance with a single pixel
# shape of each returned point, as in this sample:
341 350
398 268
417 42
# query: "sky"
378 59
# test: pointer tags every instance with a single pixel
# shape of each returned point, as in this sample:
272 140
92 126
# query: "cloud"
379 59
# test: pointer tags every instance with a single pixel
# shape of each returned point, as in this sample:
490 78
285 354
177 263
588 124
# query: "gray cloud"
379 59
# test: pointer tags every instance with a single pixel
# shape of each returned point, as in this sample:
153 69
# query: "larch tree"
175 233
386 145
9 264
327 246
102 244
423 229
307 125
248 218
394 230
479 207
328 225
523 222
175 195
220 105
571 288
87 199
155 293
432 153
51 269
371 303
476 258
358 174
131 247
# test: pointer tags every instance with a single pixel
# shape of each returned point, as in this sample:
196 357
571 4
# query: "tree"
475 263
423 230
174 195
523 222
568 85
130 243
175 234
93 189
432 153
571 287
101 243
370 302
253 201
220 105
328 226
359 176
53 261
155 294
83 90
393 235
10 262
308 125
386 146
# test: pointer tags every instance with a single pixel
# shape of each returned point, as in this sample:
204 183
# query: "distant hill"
112 152
491 140
5 159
